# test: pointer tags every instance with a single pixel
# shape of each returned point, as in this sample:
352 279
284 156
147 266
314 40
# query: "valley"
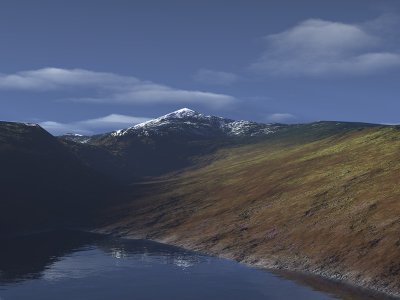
320 198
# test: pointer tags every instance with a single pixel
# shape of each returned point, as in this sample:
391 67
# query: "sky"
93 66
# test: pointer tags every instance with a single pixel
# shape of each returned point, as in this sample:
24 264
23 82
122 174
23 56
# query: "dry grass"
330 207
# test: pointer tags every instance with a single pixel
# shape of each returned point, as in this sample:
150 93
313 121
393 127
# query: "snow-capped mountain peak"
182 113
187 122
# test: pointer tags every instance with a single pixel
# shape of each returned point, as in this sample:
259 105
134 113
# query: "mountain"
42 183
188 122
184 122
165 144
176 140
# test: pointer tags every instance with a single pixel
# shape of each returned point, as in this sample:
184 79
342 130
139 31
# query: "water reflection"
30 257
26 257
183 263
118 253
76 265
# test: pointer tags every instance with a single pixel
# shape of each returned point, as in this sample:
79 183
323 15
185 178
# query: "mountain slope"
42 184
326 204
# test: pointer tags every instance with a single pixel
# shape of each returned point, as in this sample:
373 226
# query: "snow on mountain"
31 124
182 113
77 138
187 121
74 134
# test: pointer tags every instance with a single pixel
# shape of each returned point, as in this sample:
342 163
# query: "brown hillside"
329 206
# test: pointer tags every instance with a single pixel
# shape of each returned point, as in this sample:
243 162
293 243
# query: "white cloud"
160 94
91 126
102 87
280 118
55 78
215 77
317 47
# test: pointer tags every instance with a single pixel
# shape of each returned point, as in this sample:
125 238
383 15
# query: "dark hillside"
42 184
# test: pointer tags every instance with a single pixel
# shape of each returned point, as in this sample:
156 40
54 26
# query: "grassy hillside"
305 200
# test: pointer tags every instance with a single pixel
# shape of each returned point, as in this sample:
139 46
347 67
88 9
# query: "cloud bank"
317 47
101 87
91 126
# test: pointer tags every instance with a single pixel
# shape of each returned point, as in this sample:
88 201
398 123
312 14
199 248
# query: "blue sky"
94 66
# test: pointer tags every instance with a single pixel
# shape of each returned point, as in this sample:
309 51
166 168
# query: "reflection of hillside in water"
26 257
150 253
64 263
49 255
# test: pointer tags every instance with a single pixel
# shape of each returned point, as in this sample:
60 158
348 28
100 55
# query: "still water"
75 265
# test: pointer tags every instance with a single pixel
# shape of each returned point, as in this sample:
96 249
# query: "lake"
77 265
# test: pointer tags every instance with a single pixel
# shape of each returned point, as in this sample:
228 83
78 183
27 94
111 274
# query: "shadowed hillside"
42 184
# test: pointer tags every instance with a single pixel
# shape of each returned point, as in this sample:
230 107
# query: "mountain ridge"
165 144
174 141
198 121
186 121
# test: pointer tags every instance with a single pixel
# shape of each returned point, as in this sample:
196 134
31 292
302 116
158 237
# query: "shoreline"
282 269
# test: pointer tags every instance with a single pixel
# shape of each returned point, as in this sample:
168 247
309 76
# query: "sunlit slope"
330 205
